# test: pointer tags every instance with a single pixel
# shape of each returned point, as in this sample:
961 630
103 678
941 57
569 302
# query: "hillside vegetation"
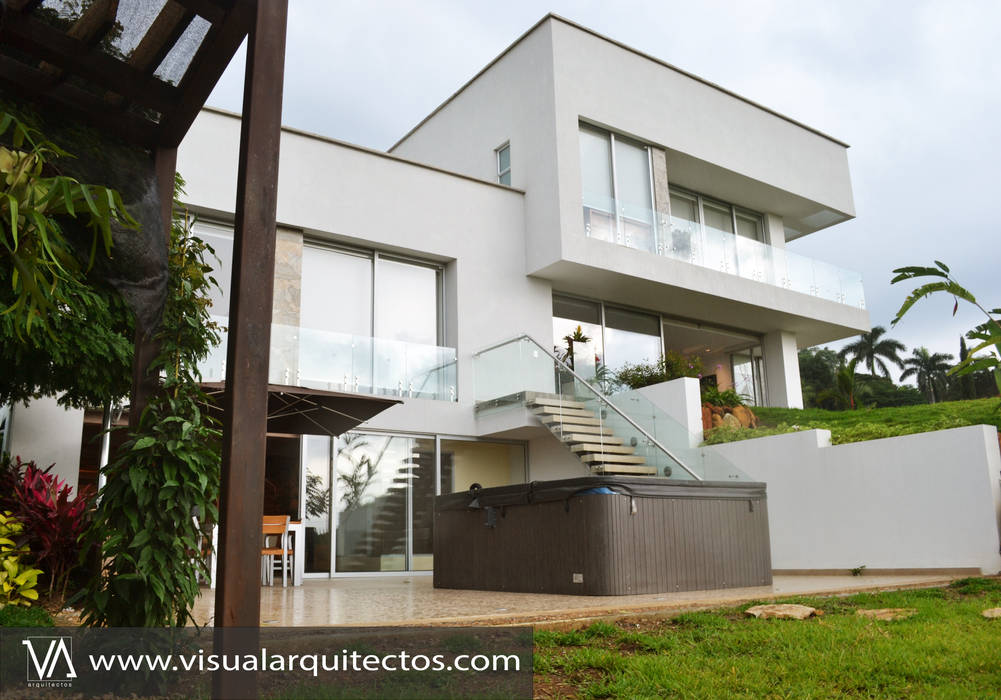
866 423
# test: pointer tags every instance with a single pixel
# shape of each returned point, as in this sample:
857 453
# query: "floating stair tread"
564 403
554 411
623 469
599 448
613 459
589 439
568 420
579 429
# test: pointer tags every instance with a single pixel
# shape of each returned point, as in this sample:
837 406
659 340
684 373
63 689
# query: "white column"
781 356
775 234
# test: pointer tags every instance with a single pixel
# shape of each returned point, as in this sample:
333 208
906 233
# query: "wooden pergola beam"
213 11
28 81
218 47
75 56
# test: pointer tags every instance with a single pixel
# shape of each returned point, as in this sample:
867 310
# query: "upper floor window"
504 164
617 189
692 208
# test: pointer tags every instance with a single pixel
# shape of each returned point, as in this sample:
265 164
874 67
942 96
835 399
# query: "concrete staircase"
595 444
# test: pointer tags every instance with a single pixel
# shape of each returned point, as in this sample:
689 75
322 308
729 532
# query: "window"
618 336
387 297
691 208
617 189
504 164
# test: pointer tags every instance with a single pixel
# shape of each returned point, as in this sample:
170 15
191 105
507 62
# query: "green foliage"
946 650
987 335
167 471
18 580
38 262
725 433
19 616
671 365
729 398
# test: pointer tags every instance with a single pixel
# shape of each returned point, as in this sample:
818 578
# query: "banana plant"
987 335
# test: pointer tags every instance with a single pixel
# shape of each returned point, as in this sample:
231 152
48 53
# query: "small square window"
504 164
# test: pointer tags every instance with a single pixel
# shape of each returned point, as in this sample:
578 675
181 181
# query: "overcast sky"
914 87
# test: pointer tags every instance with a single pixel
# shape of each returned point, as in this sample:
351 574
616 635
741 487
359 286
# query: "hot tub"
603 535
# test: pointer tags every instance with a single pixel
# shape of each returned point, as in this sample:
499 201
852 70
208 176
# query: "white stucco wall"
45 433
342 193
925 501
535 95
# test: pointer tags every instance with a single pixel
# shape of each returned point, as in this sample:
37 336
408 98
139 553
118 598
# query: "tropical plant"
988 334
929 370
167 470
18 580
670 365
712 395
37 260
872 348
565 353
53 521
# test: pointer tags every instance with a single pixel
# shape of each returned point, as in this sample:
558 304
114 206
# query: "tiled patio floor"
413 600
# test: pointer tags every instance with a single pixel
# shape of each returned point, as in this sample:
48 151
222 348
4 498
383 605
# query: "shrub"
16 616
53 522
671 365
17 578
714 396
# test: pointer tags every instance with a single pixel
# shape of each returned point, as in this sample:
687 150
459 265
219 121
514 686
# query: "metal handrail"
601 397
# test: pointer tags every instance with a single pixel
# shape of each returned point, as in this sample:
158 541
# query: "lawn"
947 650
867 423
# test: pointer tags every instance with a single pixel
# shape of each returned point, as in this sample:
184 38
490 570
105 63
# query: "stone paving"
413 600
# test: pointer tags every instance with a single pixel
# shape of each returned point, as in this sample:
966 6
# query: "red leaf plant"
53 522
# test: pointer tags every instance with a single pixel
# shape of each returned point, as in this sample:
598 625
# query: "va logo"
50 659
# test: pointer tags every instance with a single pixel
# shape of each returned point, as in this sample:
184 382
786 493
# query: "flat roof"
579 27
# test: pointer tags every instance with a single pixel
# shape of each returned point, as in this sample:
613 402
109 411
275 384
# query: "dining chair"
275 526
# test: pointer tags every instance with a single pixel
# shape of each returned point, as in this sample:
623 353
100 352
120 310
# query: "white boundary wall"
924 501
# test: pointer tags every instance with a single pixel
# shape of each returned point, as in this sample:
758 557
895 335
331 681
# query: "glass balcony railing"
342 362
723 251
509 373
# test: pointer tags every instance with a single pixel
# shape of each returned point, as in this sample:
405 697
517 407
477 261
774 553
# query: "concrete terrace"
412 600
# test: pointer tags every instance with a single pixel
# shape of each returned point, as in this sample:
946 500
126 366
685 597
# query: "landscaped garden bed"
946 649
864 423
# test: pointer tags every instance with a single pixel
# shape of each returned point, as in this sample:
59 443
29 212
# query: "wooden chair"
275 526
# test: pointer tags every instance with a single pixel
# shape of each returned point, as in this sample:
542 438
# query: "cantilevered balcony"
343 362
700 244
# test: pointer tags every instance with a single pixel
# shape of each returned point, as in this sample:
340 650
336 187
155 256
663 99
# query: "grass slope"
947 650
867 423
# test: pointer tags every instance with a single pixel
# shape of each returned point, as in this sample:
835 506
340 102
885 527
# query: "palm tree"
929 369
871 348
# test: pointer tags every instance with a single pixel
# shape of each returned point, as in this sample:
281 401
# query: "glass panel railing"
521 370
723 251
344 362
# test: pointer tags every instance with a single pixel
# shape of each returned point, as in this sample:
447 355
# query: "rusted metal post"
145 384
238 595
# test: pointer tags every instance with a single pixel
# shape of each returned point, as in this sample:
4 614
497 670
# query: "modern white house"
574 181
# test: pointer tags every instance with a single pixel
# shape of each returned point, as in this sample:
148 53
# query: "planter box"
603 535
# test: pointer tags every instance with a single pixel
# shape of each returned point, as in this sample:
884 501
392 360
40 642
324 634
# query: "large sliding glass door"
385 498
368 498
